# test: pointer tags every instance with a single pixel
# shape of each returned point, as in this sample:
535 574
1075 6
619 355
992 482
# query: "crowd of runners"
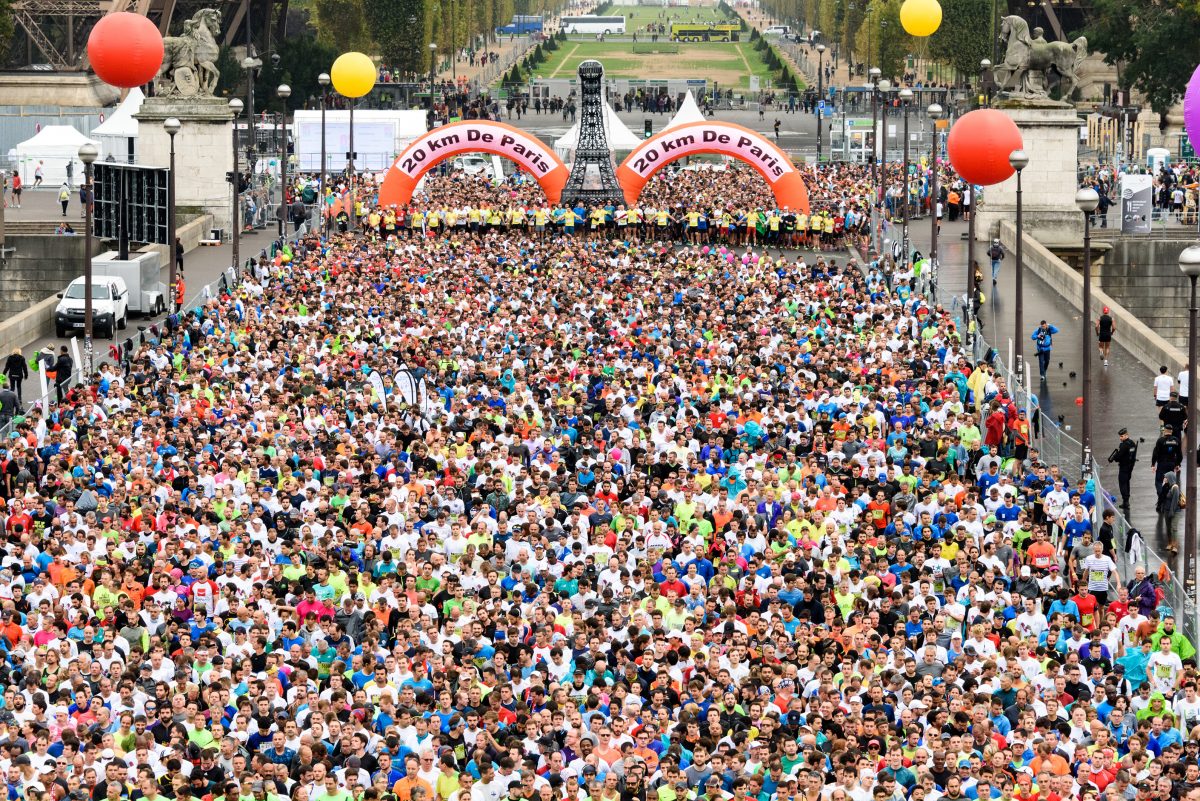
503 514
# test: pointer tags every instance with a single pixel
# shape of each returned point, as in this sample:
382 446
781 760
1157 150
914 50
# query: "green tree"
1152 41
343 24
233 79
964 37
7 29
400 31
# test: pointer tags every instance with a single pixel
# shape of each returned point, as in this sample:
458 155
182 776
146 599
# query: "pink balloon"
724 250
754 258
729 258
704 250
746 259
1191 108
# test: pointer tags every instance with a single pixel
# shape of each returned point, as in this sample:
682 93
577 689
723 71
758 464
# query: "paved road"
1121 392
202 265
797 135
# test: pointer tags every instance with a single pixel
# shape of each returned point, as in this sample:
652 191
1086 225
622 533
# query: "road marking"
563 63
749 71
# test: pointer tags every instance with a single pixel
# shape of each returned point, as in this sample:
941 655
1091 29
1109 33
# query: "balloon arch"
723 138
472 136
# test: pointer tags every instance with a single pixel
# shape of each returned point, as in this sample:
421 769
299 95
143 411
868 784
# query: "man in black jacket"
64 366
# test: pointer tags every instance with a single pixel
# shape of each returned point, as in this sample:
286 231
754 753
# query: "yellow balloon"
353 74
920 17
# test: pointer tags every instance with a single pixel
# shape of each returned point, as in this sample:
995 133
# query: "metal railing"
1057 448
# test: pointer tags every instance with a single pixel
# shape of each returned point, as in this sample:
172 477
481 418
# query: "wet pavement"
1122 392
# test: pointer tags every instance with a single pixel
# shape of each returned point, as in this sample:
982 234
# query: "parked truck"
142 273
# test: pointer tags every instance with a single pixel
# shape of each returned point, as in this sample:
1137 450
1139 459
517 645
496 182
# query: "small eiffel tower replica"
592 181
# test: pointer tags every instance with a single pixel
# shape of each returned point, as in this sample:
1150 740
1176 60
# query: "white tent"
115 132
53 147
618 133
688 112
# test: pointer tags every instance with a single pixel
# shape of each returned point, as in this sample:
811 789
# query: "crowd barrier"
1057 447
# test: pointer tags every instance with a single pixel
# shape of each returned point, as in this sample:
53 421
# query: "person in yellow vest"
634 217
662 219
801 230
540 217
773 223
473 220
433 223
418 222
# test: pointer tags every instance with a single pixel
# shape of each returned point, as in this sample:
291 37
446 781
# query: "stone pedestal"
1051 137
203 151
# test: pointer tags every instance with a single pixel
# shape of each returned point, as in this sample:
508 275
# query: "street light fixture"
820 92
1189 265
235 105
284 91
171 126
322 79
1018 160
934 112
88 155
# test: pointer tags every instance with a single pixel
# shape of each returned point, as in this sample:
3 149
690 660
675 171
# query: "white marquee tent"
620 138
115 132
52 147
688 112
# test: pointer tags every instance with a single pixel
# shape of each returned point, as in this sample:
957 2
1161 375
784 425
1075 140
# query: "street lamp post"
322 79
873 74
284 91
88 154
934 112
1086 200
235 105
171 126
1019 161
432 62
884 86
1189 264
820 94
906 96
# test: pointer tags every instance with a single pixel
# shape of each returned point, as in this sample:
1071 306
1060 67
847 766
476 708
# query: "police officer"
1125 457
1173 413
1167 455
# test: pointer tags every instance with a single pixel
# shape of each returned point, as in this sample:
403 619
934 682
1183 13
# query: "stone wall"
41 267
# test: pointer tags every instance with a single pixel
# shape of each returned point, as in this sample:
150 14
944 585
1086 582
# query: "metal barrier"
1057 448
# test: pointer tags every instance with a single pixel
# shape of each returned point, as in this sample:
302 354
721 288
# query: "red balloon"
980 143
125 49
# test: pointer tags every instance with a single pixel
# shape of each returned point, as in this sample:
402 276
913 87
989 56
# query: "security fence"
1056 447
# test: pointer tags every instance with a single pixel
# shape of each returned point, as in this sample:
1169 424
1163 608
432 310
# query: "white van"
110 307
778 30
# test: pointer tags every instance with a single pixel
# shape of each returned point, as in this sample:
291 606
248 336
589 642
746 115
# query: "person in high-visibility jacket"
179 292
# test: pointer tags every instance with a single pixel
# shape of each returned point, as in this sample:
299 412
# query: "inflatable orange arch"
724 138
472 136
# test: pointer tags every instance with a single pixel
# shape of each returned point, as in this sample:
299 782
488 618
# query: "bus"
590 23
711 32
522 24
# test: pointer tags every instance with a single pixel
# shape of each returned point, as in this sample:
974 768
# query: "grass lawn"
729 63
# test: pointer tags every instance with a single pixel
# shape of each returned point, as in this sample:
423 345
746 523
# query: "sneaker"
1106 362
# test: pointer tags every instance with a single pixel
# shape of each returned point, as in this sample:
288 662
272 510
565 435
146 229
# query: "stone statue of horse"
1024 55
189 64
